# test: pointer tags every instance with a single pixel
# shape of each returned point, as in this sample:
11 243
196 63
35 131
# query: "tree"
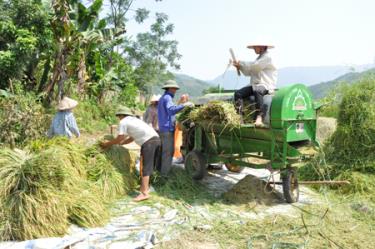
25 41
151 53
78 32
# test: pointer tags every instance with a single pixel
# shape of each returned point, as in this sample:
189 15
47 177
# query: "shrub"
22 119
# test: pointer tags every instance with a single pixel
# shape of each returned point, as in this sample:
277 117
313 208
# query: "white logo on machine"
299 103
300 127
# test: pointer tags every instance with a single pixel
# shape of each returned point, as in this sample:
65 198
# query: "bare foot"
259 121
141 197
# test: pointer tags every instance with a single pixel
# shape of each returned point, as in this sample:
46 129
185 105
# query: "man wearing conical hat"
167 111
263 75
133 129
64 122
151 114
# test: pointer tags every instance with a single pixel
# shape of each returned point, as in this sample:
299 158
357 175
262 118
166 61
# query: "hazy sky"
305 33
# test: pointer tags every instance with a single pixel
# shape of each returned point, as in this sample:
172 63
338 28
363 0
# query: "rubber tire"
290 185
196 165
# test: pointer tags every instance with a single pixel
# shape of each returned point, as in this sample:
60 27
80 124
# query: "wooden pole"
316 183
234 59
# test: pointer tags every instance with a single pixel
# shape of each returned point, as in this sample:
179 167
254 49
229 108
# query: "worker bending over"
133 129
263 80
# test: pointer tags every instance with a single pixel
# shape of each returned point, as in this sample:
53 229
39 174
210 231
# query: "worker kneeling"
263 75
133 129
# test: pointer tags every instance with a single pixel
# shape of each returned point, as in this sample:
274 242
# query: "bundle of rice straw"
216 112
104 175
41 192
30 194
88 210
124 161
184 115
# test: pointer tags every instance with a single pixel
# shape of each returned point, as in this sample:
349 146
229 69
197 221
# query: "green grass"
335 223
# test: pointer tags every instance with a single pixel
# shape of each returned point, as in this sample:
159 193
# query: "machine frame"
287 144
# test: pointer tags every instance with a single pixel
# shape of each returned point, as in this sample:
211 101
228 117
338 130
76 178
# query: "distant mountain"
322 89
291 75
188 84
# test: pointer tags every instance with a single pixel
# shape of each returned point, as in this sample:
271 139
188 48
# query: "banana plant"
79 32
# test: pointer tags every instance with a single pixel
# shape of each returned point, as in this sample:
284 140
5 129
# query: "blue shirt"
64 124
167 112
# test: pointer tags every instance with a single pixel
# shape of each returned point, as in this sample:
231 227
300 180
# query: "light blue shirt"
64 124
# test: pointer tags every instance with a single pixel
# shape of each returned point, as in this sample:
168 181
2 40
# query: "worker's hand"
236 64
183 99
104 145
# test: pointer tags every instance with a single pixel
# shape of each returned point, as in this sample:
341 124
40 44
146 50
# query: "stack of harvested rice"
53 183
216 112
112 171
124 161
353 142
40 193
184 115
349 152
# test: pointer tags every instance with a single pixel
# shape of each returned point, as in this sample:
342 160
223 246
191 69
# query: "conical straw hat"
66 104
155 98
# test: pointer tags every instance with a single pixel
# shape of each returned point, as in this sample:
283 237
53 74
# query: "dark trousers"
167 144
150 154
246 92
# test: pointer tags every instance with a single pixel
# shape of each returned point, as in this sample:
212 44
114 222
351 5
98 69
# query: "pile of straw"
251 191
353 143
216 112
104 175
54 183
349 153
32 195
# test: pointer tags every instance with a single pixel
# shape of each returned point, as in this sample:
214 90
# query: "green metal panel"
293 119
301 130
291 103
245 131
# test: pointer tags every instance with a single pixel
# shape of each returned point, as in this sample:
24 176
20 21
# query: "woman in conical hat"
151 114
64 122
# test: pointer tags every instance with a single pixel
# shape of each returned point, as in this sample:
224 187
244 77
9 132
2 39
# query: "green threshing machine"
287 142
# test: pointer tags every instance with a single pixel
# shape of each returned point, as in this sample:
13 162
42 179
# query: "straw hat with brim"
124 111
260 45
155 98
66 104
170 84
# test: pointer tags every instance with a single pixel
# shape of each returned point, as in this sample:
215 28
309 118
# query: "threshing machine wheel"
290 185
195 164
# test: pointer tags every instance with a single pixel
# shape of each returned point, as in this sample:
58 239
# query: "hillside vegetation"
323 89
194 87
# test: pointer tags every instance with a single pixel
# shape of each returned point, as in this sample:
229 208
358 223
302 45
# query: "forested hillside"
321 90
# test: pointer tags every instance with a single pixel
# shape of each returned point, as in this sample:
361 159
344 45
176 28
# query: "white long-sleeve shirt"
262 72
